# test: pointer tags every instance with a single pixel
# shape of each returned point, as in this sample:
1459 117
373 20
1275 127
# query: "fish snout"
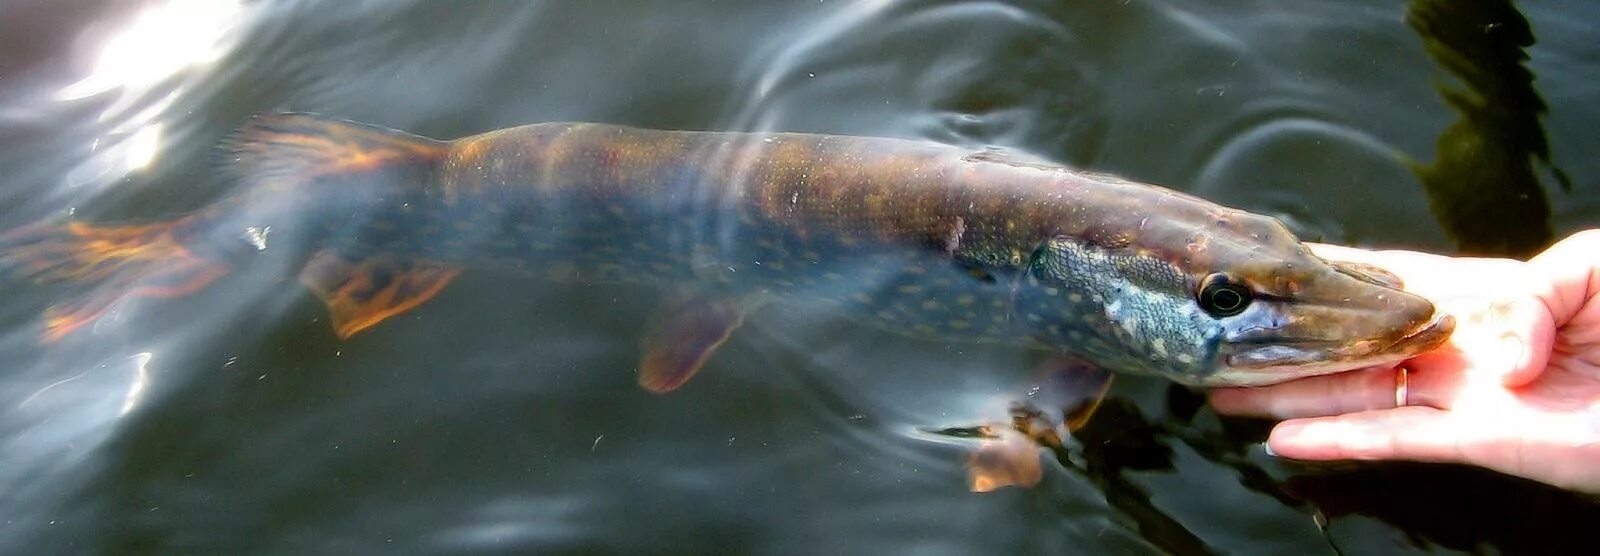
1377 324
1414 326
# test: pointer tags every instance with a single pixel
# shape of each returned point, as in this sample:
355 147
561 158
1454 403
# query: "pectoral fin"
1068 394
682 338
360 294
1010 458
1074 386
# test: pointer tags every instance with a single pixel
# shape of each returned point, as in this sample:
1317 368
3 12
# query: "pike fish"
929 240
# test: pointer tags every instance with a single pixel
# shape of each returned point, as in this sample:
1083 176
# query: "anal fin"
360 294
685 333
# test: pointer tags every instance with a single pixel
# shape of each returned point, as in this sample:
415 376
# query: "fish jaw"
1269 364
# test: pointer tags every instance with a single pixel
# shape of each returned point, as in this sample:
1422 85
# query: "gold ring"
1402 379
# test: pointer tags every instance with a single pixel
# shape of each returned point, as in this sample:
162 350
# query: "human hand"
1515 389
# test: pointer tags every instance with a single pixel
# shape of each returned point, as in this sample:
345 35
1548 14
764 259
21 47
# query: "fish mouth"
1280 360
1427 336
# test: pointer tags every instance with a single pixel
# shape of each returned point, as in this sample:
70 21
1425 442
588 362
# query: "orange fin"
362 294
684 335
1073 386
1009 456
113 263
292 148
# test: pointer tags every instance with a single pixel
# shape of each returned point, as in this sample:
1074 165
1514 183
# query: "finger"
1523 333
1497 343
1412 267
1433 381
1352 254
1502 327
1309 397
1410 433
1573 267
1556 451
1325 395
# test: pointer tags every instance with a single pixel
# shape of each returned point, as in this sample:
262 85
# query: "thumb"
1573 268
1509 339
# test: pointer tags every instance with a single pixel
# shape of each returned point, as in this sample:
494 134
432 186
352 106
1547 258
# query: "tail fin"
275 157
111 262
300 147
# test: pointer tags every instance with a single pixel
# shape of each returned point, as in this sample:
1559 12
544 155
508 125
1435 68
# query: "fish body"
920 238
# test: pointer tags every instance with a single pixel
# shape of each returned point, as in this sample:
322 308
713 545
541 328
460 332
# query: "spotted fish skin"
920 238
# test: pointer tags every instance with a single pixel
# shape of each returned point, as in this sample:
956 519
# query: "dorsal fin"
299 147
1012 157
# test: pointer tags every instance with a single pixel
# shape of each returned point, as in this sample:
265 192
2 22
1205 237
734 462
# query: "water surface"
503 416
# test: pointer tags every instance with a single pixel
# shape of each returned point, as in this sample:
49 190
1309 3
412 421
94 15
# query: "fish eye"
1223 296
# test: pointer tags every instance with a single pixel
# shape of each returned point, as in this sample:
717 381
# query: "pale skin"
1516 389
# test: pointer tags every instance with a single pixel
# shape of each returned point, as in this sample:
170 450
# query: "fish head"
1287 318
1246 309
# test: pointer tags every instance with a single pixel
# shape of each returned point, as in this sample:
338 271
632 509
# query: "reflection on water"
1001 75
1483 184
504 415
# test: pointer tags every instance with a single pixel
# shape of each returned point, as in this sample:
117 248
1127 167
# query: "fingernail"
1284 432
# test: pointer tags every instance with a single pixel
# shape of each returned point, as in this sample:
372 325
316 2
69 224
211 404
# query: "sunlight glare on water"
142 65
161 41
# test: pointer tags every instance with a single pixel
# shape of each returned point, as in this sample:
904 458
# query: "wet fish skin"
947 243
921 238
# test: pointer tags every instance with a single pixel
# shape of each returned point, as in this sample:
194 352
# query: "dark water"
503 416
